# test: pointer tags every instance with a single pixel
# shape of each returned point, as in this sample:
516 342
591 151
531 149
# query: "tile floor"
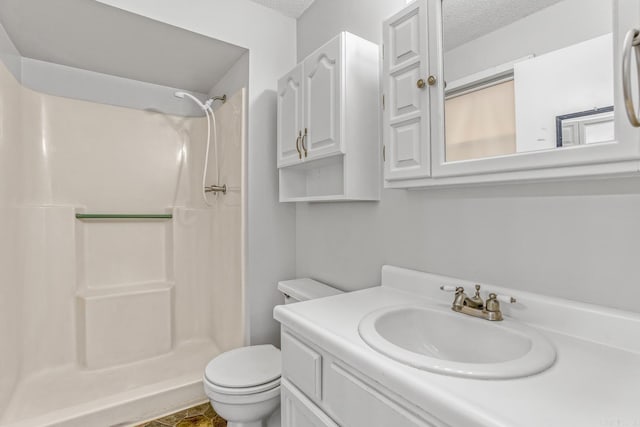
198 416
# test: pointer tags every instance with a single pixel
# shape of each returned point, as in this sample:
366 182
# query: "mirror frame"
619 156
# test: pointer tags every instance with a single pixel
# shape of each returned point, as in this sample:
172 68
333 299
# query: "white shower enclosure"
117 282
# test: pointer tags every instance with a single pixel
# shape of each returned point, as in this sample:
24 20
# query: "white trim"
490 76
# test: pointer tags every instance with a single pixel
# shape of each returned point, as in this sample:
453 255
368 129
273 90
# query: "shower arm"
222 98
207 104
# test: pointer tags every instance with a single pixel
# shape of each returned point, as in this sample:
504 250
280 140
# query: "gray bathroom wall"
236 78
9 54
572 239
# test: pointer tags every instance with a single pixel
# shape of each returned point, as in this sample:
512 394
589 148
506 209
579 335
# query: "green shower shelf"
123 216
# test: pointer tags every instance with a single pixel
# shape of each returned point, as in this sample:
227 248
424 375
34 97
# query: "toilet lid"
240 391
245 367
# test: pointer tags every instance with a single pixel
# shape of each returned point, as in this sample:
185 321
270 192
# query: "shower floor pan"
122 396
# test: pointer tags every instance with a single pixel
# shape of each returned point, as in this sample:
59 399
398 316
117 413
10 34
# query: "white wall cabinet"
322 98
414 88
406 124
328 132
290 117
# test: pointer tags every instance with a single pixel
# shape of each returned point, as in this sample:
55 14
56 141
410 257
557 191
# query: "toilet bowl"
243 385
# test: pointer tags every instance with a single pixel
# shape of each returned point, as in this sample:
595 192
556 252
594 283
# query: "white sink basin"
450 343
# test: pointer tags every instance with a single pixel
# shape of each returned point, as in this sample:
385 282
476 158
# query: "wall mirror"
529 85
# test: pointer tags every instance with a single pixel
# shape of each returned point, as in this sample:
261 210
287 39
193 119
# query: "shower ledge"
69 397
142 328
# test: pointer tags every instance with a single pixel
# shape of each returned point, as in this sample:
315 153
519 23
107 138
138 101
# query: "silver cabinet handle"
631 40
304 147
298 145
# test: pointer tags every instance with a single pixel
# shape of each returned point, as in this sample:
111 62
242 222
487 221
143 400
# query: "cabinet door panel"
298 411
406 118
404 38
355 403
406 155
322 100
302 365
289 117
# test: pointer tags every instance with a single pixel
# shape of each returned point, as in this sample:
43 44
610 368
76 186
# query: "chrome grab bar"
631 40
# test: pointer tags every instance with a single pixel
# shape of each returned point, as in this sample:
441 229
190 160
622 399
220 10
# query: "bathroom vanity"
332 377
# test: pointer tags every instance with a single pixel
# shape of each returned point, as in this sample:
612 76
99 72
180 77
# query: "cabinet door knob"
431 80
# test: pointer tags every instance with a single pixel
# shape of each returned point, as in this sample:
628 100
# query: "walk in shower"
118 282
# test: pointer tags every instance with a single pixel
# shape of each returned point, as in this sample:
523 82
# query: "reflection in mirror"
526 76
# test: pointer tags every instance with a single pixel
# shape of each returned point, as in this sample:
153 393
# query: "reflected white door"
290 117
406 116
322 100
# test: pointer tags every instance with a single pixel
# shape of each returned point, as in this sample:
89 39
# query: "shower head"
207 104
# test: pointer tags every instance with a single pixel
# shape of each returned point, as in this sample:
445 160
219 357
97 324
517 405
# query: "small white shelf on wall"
328 127
318 180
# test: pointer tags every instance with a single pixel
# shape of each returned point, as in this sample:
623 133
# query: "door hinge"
384 153
383 105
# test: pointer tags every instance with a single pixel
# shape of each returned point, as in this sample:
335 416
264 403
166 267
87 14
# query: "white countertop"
590 384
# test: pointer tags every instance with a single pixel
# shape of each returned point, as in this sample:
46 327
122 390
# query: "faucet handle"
451 288
493 304
506 299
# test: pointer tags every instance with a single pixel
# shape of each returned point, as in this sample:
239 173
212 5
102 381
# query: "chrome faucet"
475 306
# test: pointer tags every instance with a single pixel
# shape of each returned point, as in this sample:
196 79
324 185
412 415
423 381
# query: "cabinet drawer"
302 366
355 403
298 411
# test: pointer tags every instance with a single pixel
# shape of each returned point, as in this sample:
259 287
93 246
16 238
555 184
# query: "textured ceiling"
92 36
465 20
80 33
292 8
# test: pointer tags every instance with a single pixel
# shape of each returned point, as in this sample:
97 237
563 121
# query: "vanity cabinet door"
298 411
406 94
290 117
323 100
357 402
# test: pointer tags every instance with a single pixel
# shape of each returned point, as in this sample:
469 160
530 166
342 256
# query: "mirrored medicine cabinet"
519 90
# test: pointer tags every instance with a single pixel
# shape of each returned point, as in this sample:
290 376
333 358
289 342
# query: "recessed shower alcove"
129 280
125 267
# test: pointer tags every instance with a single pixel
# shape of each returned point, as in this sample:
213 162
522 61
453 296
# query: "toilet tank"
305 289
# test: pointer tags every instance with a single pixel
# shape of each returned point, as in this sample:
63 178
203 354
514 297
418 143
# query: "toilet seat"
245 370
236 391
239 396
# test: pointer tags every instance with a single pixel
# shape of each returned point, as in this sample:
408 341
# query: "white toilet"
243 385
